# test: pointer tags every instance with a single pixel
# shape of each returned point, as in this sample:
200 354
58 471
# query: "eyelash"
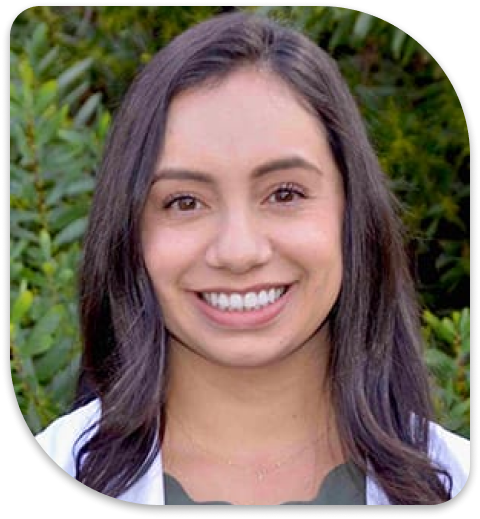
289 187
175 199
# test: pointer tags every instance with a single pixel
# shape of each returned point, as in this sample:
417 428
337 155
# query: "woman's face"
242 227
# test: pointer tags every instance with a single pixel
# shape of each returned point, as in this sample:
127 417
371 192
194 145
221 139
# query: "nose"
239 244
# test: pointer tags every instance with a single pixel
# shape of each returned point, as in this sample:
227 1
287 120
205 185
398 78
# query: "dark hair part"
378 381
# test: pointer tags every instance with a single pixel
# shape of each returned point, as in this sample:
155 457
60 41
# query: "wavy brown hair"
378 380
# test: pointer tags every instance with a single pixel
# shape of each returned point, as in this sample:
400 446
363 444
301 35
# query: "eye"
286 194
182 203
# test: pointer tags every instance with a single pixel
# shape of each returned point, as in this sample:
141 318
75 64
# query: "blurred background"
70 67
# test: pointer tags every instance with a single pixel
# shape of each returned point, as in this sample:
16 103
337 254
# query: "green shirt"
344 485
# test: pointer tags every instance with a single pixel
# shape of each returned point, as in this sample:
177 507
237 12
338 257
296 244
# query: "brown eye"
286 195
183 203
187 203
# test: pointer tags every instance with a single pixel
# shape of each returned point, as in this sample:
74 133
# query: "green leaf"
397 43
21 306
41 337
13 91
54 360
47 60
441 365
72 136
46 95
37 41
465 346
461 408
46 135
18 216
75 72
103 125
464 324
84 185
431 319
20 142
72 232
342 31
66 275
68 158
76 94
32 418
17 250
25 234
37 345
45 244
13 56
48 267
64 214
27 74
362 26
411 46
446 331
62 387
87 110
319 20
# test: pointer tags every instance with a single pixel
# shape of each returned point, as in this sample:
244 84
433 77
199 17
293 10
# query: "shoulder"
451 452
59 439
447 450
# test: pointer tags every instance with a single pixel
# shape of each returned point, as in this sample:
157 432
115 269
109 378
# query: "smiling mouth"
249 302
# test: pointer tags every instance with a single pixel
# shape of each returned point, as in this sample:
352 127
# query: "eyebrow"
281 164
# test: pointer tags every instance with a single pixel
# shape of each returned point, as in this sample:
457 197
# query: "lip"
244 320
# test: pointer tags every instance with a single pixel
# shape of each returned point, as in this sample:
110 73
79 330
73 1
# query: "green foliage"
448 357
117 40
340 30
53 157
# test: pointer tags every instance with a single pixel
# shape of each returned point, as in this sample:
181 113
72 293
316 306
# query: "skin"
240 229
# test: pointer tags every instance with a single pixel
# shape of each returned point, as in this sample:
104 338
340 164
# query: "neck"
263 409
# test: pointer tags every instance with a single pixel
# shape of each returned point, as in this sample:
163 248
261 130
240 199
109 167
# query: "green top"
344 485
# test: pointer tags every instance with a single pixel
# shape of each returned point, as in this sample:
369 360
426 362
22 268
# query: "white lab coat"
447 449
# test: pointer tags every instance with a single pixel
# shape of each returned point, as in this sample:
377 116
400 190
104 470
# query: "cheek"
169 253
319 254
315 241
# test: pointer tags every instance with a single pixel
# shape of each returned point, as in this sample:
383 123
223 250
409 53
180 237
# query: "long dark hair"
378 381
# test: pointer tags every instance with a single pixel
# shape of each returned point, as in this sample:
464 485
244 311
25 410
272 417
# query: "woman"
250 328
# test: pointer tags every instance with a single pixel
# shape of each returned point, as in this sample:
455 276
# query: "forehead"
247 117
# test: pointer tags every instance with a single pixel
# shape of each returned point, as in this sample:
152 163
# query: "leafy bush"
337 29
117 40
53 157
448 357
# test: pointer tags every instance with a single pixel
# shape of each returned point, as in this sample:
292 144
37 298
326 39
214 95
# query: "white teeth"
263 298
250 301
236 302
239 302
223 302
271 295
